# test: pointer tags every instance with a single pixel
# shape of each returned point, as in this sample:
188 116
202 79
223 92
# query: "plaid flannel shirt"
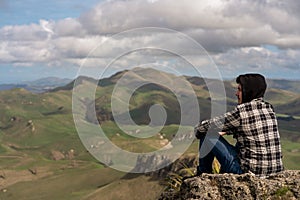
254 125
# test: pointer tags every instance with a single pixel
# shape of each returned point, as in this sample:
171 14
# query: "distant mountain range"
38 86
55 83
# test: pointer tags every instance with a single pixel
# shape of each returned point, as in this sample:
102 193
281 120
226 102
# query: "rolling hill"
288 85
42 156
285 101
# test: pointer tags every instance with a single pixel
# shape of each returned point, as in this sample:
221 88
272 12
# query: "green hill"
288 85
292 108
42 156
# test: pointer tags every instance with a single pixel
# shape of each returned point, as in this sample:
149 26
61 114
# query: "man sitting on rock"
253 124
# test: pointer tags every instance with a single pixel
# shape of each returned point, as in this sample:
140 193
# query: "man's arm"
223 124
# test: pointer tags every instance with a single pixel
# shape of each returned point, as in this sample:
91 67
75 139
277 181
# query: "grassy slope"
21 148
129 187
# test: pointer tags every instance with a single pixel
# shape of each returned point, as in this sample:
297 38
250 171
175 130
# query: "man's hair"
253 86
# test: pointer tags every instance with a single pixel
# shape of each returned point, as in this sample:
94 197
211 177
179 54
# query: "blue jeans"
214 145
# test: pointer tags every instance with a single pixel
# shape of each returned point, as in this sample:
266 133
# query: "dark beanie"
253 86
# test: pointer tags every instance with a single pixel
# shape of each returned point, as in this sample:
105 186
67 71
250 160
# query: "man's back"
258 138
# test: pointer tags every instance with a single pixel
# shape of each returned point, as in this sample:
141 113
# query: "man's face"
238 94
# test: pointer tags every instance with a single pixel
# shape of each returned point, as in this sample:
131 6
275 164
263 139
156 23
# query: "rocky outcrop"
188 161
57 155
147 163
284 185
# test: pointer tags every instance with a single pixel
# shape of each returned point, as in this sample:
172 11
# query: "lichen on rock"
284 185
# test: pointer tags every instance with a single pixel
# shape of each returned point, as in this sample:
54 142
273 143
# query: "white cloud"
76 47
232 31
47 26
221 23
30 32
259 59
69 27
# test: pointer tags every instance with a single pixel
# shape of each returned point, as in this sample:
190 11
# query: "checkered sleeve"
226 123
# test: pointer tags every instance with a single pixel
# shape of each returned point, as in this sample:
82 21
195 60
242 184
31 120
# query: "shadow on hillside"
59 110
131 176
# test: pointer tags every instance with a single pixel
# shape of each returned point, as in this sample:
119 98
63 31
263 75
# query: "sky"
67 38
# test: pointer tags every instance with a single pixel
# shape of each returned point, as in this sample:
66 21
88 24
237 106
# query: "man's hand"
198 134
222 133
201 129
